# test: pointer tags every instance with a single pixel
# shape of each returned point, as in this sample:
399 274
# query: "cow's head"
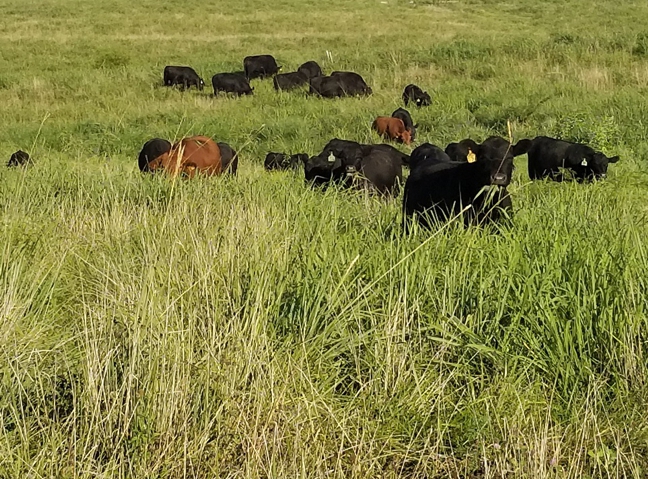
157 164
320 169
494 164
201 84
595 165
423 100
406 137
586 163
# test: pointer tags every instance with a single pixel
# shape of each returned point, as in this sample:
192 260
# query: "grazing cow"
229 158
339 84
231 83
415 94
289 81
311 69
374 167
19 158
548 155
196 153
375 171
405 116
260 66
184 76
151 150
463 151
392 128
281 161
327 87
439 188
352 83
351 150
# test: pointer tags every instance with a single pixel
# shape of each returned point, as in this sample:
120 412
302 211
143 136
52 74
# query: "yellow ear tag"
331 157
471 157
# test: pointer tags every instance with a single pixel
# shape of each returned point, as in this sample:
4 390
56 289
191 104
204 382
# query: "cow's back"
195 153
382 172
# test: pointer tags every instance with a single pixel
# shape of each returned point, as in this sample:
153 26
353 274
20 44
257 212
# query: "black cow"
376 171
439 188
352 83
374 167
289 81
415 94
231 83
344 149
150 151
19 158
406 118
282 161
339 85
260 66
311 69
350 151
327 87
184 76
229 158
548 155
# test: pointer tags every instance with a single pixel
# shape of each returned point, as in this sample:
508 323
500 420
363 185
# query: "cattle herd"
466 177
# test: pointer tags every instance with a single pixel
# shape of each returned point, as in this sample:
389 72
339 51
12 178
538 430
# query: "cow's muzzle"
499 179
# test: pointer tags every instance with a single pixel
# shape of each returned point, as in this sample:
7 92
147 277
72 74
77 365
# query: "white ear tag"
331 157
584 162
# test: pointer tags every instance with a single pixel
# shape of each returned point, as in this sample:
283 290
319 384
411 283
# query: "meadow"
252 327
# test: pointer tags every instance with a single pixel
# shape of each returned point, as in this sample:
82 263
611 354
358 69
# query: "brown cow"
188 155
392 128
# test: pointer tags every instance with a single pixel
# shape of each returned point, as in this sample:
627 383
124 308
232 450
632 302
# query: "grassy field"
251 327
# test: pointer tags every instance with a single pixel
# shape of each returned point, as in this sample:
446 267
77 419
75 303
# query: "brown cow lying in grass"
196 153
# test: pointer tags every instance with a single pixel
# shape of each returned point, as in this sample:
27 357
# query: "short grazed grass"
254 327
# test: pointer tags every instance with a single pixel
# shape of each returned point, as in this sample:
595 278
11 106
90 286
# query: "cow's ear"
521 147
614 159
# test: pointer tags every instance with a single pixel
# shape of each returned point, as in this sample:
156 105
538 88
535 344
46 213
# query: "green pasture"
252 327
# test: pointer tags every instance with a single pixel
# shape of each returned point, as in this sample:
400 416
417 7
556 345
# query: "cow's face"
496 165
406 136
319 169
596 165
158 163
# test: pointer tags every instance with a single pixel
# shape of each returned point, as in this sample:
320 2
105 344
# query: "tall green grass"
254 327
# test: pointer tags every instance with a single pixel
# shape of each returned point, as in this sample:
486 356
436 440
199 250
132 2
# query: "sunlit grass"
254 327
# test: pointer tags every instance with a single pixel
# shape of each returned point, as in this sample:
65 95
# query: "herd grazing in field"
466 177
